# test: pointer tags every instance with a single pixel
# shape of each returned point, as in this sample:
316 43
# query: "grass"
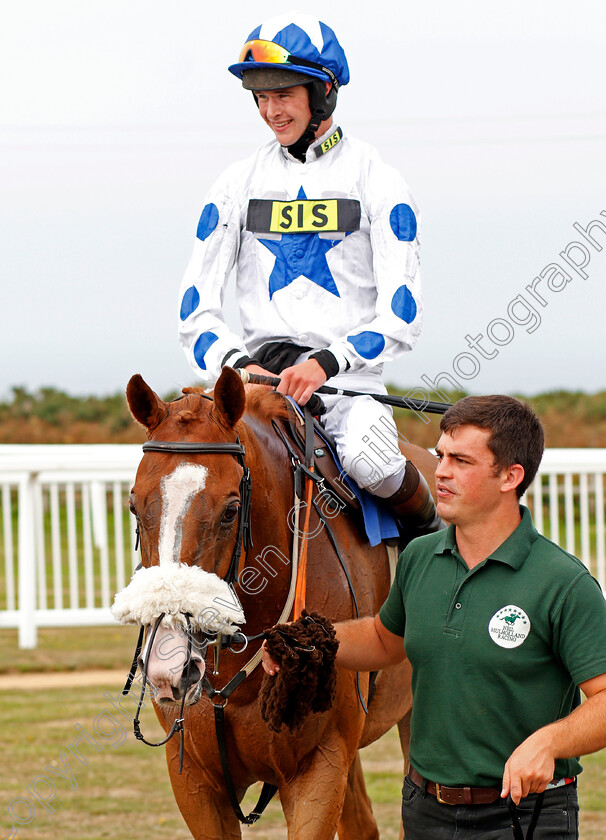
123 789
113 789
114 786
73 649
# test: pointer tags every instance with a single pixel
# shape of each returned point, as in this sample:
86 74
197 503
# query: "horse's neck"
264 585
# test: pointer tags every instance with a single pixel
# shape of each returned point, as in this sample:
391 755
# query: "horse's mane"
266 405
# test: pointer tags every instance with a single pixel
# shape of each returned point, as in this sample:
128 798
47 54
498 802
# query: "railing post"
28 632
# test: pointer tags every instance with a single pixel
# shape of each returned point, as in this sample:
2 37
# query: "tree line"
51 415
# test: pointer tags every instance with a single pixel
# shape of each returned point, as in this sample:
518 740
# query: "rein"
243 538
177 725
304 479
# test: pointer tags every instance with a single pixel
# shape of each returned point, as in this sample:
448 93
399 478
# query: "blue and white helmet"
293 49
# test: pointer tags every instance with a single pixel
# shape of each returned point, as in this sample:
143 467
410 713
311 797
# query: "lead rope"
518 834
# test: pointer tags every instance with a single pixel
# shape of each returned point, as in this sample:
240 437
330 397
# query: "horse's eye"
231 512
131 504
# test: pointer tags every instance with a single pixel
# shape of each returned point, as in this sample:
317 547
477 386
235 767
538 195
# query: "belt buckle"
439 794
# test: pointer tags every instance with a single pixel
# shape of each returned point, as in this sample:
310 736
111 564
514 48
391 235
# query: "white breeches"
366 435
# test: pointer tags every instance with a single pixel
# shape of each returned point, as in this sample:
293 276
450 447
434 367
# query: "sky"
116 117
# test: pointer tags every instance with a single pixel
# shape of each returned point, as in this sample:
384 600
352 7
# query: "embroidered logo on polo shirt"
509 627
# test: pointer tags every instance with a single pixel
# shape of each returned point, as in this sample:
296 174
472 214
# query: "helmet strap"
318 114
299 148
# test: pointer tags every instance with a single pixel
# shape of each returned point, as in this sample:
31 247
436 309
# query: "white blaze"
178 491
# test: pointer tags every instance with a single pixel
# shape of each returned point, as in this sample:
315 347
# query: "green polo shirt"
496 652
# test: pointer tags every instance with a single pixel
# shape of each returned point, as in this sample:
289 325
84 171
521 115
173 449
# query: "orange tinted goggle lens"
265 51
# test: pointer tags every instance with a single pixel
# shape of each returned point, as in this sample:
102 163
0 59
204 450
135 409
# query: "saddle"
339 491
326 461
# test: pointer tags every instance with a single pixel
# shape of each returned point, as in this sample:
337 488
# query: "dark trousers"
425 818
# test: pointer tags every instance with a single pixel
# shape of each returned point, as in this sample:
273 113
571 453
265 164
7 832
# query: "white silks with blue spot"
350 284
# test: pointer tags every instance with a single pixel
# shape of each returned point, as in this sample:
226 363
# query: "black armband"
327 362
246 360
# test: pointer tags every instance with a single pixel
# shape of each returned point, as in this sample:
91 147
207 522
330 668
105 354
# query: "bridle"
177 725
243 539
219 697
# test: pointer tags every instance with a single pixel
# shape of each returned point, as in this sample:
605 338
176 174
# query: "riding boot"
413 506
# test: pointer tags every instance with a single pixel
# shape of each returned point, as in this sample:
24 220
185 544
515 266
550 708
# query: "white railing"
68 540
567 503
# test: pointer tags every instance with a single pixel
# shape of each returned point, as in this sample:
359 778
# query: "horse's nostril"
190 676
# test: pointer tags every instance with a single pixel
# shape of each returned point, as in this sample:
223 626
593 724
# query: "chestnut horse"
191 518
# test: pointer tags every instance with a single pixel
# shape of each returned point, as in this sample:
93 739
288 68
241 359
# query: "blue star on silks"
300 254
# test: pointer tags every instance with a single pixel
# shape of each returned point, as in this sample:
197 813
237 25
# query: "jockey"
324 239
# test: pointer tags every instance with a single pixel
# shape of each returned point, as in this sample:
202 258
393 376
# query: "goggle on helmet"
282 53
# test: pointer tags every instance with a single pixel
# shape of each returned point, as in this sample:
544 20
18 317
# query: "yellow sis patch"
331 141
330 215
303 216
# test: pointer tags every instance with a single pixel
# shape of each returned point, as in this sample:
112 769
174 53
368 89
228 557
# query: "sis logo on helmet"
295 42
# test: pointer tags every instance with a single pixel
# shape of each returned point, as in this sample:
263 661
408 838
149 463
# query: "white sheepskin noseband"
177 590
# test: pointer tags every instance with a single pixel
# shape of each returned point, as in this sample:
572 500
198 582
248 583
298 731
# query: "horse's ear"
145 405
229 398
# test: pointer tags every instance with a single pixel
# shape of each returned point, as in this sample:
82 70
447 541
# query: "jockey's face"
286 111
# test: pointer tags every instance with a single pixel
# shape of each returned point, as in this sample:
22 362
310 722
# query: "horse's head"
190 502
187 503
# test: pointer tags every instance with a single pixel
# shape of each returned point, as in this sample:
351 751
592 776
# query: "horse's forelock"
200 392
183 418
189 408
